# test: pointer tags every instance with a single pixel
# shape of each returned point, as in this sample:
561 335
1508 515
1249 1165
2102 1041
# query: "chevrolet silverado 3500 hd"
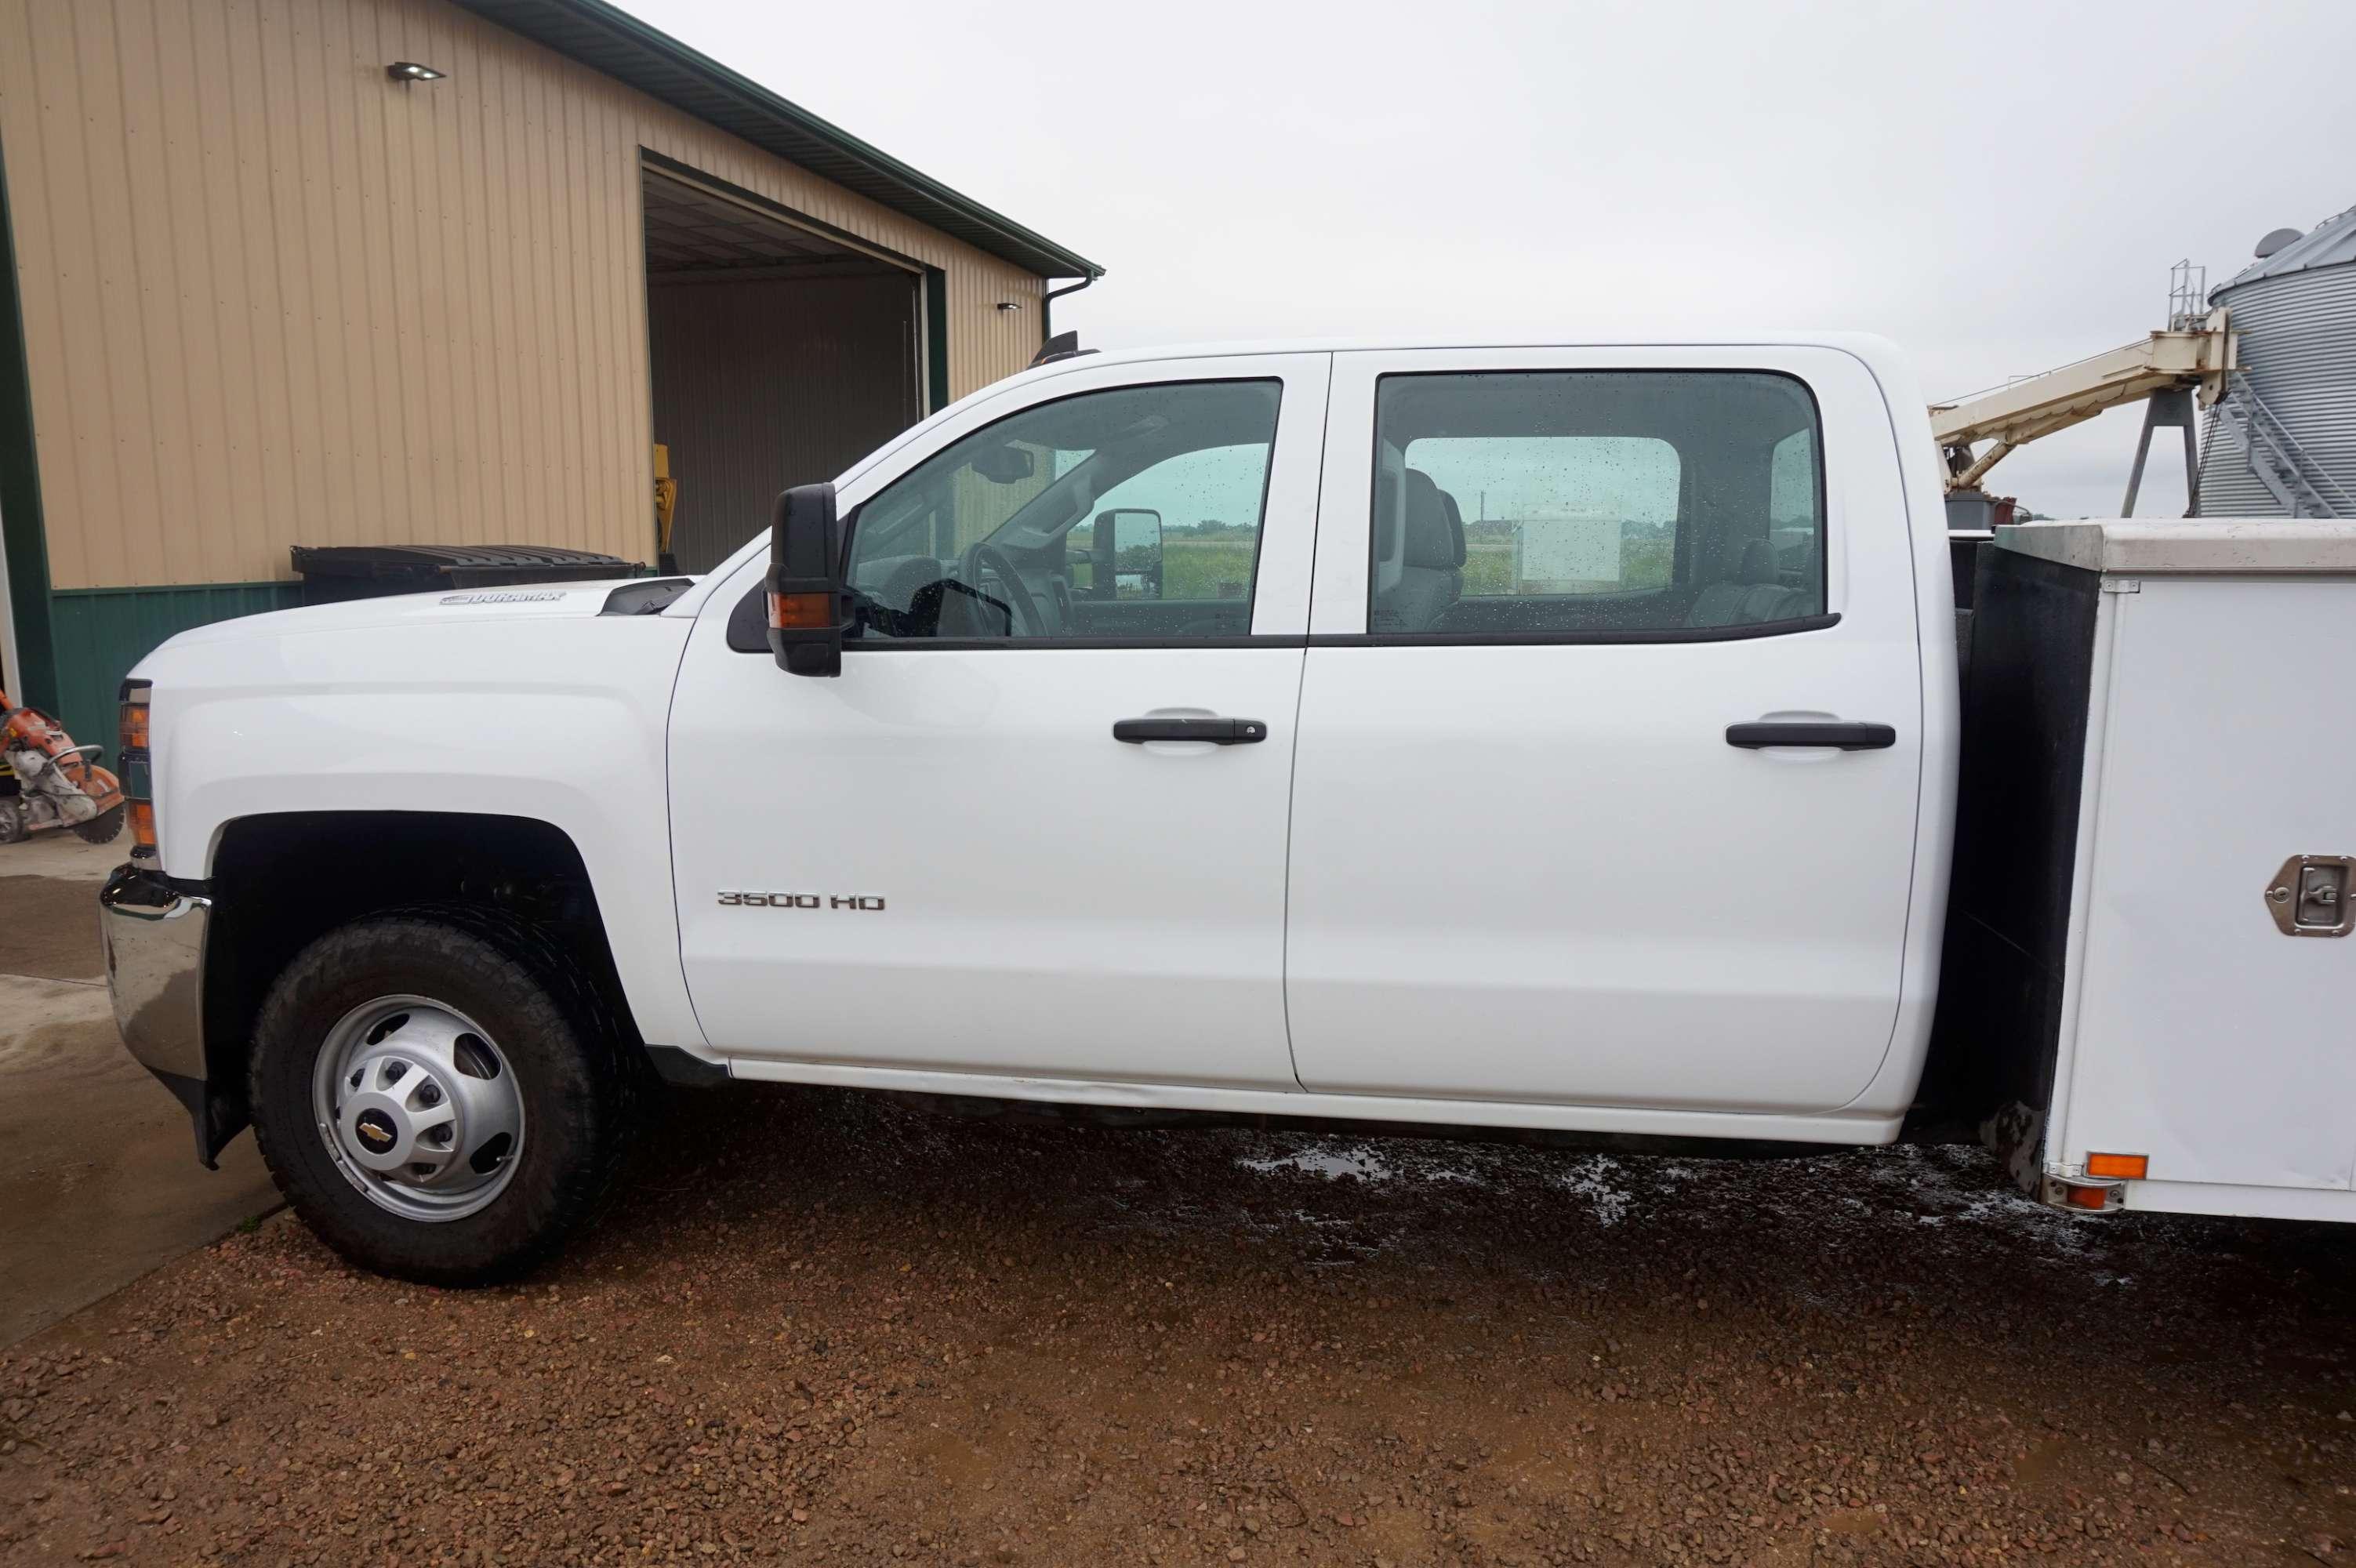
1521 740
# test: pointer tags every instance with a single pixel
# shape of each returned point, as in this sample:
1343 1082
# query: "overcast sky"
1999 187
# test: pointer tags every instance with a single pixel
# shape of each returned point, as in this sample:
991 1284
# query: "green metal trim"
610 41
99 633
936 338
22 534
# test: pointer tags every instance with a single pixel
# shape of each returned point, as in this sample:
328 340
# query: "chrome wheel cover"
418 1107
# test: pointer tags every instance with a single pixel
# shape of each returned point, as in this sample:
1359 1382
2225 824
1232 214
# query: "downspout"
1047 304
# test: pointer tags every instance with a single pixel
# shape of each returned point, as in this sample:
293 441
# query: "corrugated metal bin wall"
2299 349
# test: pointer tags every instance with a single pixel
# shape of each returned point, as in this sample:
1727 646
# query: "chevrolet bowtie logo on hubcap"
376 1131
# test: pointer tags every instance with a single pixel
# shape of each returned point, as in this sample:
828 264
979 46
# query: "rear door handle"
1219 732
1836 736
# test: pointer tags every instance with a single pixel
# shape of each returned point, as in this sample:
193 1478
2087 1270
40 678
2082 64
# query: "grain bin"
2282 442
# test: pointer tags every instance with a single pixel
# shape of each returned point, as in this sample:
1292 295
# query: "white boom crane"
2196 356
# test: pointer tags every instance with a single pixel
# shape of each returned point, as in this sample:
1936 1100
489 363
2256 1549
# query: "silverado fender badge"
861 901
538 596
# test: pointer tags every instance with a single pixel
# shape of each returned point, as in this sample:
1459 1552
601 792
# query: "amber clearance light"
137 775
801 612
135 715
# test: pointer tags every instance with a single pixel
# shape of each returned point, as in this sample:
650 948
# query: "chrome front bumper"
154 930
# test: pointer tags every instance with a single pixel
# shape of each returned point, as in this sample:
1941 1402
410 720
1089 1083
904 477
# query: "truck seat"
1753 595
1431 574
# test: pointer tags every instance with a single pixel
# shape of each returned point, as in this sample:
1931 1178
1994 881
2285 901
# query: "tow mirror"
808 605
1130 538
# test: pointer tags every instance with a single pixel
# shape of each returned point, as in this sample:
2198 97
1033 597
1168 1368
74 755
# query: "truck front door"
1037 825
1610 733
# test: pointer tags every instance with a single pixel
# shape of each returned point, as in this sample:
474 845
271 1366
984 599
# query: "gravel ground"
829 1329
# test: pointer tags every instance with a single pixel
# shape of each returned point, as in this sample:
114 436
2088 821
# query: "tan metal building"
264 285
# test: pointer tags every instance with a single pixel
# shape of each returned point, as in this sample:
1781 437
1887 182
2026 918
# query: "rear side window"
1565 503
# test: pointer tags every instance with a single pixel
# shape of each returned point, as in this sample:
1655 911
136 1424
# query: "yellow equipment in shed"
666 503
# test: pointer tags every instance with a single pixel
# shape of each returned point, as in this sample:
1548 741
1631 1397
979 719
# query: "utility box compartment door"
2206 1037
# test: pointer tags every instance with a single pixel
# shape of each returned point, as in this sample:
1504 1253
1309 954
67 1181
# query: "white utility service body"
2170 687
1588 728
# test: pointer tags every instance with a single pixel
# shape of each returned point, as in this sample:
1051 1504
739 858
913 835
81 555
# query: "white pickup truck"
1544 741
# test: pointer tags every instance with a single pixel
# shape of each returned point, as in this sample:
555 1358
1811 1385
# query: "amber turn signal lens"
2118 1168
801 612
2085 1196
134 719
142 826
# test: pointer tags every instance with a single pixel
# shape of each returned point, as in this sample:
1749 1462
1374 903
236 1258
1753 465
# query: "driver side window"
1131 514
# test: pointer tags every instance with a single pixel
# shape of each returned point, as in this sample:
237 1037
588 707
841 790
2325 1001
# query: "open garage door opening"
780 355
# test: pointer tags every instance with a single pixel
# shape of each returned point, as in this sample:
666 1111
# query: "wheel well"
280 881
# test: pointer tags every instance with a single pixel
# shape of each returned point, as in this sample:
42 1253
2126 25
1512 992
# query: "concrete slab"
99 1178
62 854
49 928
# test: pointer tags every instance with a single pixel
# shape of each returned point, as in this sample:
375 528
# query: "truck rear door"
1611 732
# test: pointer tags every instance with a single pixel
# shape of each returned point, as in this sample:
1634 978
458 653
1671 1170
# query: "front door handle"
1219 732
1812 733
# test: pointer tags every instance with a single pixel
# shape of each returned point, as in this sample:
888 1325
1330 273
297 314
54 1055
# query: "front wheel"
437 1098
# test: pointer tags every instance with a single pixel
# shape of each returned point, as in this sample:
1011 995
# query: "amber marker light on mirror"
801 612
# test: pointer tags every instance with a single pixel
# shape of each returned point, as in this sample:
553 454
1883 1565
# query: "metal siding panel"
313 213
33 239
28 654
115 269
457 306
419 327
272 299
493 171
141 185
269 491
548 281
293 318
381 304
354 344
618 45
222 537
564 201
196 272
70 387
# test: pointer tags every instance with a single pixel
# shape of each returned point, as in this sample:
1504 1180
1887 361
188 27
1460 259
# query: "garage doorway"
780 355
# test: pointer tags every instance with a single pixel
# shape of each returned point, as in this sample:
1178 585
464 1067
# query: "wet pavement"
825 1329
99 1178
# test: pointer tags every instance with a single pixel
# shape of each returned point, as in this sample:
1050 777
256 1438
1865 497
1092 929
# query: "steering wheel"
1018 595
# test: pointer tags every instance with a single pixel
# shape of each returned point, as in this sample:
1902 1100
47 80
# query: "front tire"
438 1096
